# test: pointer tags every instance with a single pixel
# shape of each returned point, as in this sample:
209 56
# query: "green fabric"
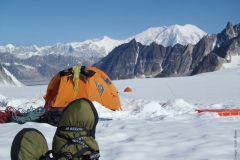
80 114
33 146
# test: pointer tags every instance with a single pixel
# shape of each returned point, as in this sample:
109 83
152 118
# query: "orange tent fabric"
128 89
92 84
222 112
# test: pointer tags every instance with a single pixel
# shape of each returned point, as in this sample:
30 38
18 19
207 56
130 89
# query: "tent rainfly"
128 89
81 82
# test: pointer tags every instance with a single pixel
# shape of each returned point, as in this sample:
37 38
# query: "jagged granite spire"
226 34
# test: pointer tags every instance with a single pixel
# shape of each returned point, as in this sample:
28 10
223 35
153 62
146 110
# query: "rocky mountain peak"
226 34
229 26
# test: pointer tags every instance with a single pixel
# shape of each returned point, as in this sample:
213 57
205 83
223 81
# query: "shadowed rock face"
120 63
210 63
132 60
135 60
149 60
229 48
202 48
180 65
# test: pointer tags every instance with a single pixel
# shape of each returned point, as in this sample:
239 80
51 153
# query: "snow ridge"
9 84
169 36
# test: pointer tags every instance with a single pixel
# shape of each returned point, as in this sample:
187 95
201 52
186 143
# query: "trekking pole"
171 90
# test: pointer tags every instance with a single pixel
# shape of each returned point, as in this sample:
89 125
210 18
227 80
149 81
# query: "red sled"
222 112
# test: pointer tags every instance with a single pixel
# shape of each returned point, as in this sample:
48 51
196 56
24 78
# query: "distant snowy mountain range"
166 36
157 52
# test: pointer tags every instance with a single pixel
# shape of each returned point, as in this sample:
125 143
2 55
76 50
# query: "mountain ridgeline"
134 60
156 52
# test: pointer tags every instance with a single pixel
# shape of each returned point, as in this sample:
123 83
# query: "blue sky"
46 22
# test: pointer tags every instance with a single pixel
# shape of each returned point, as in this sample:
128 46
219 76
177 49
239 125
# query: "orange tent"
222 112
128 89
81 82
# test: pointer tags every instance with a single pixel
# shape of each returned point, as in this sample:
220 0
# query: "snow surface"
157 120
235 61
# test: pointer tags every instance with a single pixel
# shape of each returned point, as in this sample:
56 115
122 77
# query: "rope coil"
6 115
20 116
30 115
